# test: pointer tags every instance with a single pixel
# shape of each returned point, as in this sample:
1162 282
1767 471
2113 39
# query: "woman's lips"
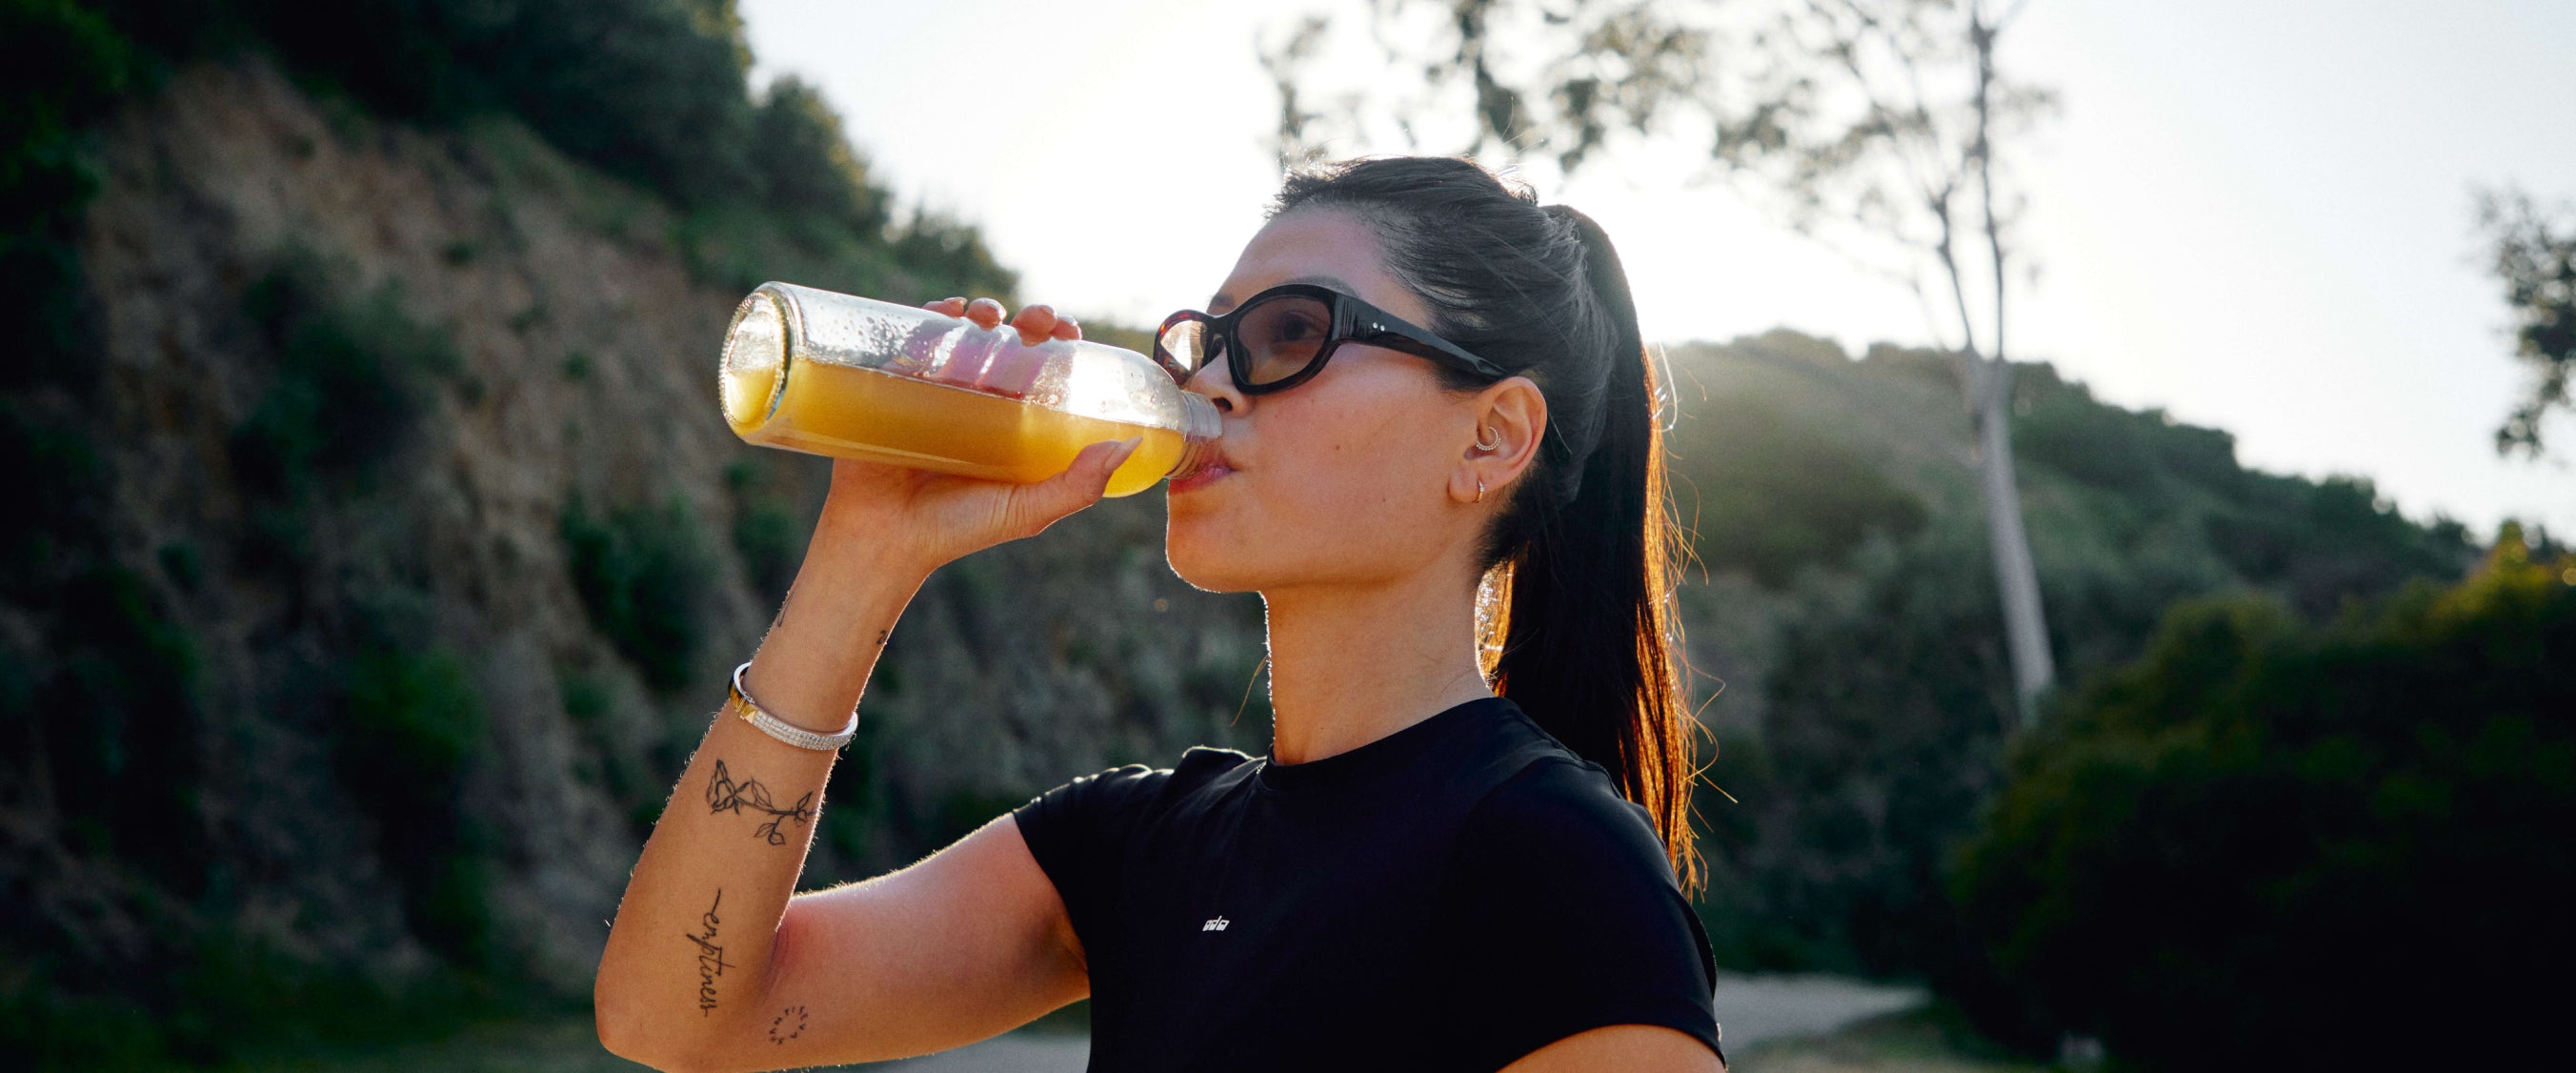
1214 471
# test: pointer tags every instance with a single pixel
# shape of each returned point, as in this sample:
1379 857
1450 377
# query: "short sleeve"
1078 833
1563 916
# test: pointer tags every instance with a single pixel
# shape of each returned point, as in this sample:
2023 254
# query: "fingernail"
1126 447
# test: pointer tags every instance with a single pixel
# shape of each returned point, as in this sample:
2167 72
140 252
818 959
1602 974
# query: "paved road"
1751 1009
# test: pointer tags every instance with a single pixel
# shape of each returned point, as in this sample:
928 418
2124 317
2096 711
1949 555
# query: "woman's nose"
1216 381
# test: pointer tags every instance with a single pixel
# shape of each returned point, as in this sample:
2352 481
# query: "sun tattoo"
789 1024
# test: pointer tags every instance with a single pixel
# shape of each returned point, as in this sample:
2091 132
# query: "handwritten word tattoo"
789 1025
711 962
726 795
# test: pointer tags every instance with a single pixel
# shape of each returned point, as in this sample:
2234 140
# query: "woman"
1424 377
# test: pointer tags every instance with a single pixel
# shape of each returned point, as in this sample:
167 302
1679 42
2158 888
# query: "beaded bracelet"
751 713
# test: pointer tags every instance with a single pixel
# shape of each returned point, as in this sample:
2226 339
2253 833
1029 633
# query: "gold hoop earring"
1480 489
1481 445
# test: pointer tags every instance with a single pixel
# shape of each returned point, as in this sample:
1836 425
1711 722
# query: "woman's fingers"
1034 507
1037 323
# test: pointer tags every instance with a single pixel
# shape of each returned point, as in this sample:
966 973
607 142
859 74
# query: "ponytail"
1587 633
1575 618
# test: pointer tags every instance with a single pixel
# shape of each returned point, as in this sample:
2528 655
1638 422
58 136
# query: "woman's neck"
1351 665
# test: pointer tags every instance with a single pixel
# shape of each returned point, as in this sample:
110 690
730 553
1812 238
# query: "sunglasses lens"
1282 336
1185 345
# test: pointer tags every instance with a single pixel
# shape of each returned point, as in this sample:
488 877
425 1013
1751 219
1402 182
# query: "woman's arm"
709 964
1642 1048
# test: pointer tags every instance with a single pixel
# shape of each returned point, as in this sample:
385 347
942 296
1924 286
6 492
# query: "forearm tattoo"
726 795
711 962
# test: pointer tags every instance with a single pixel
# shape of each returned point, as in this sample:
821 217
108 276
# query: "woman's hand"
929 519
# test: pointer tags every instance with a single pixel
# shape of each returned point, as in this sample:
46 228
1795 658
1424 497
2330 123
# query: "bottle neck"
1200 426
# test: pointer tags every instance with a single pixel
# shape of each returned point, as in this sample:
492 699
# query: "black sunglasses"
1282 337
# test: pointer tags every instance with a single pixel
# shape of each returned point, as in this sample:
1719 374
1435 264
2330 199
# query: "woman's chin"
1208 576
1205 564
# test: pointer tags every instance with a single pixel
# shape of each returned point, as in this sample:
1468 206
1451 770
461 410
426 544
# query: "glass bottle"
850 377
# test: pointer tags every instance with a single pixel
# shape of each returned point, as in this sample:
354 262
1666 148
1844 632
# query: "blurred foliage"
768 529
643 576
123 774
650 91
67 67
2272 831
410 724
353 382
1884 699
126 771
231 1000
2532 251
1775 494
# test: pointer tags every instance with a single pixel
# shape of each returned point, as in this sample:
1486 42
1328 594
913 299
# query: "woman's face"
1341 480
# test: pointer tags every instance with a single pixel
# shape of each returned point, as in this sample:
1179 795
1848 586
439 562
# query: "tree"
2533 253
2256 826
1872 125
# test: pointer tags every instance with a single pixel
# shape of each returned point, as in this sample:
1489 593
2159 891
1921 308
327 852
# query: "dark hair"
1577 625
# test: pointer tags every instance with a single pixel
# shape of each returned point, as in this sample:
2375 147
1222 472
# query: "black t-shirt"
1454 895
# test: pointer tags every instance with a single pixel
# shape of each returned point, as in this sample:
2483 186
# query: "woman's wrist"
839 613
874 542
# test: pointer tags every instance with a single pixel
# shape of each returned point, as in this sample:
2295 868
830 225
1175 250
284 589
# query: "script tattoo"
789 1024
711 962
726 795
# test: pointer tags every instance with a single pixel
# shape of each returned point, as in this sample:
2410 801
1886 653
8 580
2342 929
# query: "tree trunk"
2025 624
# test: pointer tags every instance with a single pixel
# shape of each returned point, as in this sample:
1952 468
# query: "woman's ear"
1510 417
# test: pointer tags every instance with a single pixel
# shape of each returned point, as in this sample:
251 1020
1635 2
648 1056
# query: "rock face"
449 657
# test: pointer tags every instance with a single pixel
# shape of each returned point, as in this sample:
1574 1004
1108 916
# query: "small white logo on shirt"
1217 924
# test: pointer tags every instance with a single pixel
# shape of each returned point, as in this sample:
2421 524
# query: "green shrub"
766 530
67 65
235 1000
2315 542
353 382
411 723
644 578
2272 833
1885 732
47 456
125 774
801 154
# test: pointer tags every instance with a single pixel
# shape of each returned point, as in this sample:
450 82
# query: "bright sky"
2256 216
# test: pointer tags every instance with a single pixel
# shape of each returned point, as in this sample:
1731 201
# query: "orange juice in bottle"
835 374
